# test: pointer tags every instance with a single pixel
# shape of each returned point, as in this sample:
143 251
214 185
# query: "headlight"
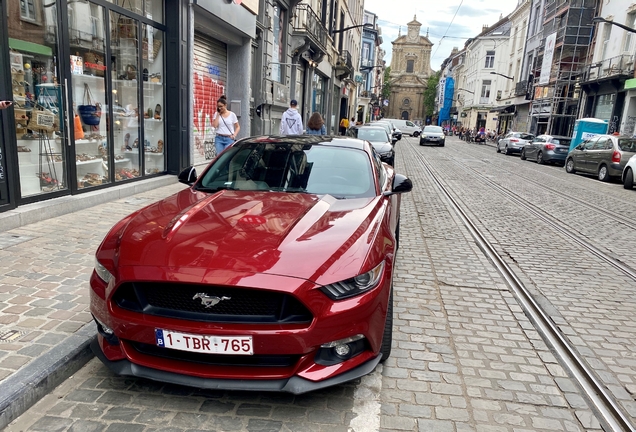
356 285
102 272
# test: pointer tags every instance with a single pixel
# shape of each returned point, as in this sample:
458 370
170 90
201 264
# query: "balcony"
344 65
616 67
308 32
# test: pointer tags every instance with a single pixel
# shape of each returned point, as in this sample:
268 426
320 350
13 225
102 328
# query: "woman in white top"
226 125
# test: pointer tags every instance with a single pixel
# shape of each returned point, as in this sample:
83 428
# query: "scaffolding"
556 104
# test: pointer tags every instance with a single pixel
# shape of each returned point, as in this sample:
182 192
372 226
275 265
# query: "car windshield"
433 129
373 135
297 168
627 144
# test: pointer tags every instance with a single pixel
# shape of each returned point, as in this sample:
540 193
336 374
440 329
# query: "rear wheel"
540 160
506 151
628 181
498 149
603 173
416 134
387 338
569 166
523 154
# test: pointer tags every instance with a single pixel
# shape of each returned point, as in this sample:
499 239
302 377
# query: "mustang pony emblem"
208 300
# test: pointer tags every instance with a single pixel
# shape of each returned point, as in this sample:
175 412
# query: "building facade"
410 70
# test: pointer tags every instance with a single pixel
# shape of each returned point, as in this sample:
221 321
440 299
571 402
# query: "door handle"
66 116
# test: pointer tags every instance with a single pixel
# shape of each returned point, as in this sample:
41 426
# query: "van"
407 127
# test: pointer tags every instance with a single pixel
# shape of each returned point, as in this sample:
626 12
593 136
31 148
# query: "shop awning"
504 109
30 47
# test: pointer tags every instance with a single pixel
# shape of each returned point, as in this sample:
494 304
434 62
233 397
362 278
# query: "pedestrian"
5 104
316 125
291 123
226 124
344 125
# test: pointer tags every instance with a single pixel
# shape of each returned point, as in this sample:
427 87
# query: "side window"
353 132
609 145
587 145
408 123
539 139
600 144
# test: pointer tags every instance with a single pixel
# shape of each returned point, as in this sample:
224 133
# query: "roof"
326 140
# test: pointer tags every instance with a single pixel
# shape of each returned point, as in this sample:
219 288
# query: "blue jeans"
221 143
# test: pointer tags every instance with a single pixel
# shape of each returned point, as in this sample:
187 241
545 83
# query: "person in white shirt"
291 123
226 124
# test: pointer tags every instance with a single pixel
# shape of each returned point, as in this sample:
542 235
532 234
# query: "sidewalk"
46 259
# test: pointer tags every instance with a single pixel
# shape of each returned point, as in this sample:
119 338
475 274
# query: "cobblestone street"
465 358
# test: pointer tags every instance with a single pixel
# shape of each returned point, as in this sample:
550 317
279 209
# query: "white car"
407 127
628 173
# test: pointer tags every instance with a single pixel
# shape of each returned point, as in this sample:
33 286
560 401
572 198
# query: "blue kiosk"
586 128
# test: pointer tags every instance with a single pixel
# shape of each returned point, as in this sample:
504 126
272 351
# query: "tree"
386 87
430 94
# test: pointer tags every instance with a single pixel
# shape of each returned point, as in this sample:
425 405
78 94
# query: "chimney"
484 27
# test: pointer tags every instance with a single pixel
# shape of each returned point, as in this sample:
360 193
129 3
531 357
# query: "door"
533 147
598 153
580 154
39 99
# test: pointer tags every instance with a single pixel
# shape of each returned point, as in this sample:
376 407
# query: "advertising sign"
548 53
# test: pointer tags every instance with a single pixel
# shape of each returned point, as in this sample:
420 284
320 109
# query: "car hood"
299 235
382 147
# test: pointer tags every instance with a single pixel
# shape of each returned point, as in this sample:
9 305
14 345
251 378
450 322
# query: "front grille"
241 305
217 359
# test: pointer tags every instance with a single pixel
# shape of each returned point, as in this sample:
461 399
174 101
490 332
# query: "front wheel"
416 134
603 173
569 166
387 338
442 144
506 151
628 181
498 149
523 154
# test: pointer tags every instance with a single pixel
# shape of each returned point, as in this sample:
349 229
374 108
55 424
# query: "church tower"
410 69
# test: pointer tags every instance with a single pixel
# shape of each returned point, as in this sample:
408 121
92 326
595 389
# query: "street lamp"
367 25
370 68
505 76
467 91
624 27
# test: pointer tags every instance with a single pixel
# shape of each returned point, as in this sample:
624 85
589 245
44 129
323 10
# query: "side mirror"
188 176
401 184
394 140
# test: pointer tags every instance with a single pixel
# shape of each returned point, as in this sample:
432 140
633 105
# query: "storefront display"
80 96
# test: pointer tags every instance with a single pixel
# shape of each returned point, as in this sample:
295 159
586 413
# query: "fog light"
106 332
342 350
338 351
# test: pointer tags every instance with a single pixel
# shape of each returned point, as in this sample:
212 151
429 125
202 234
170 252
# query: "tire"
387 337
416 134
569 166
628 181
540 160
506 151
498 149
603 173
421 142
522 156
442 144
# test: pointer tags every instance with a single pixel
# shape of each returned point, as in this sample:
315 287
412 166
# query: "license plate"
433 138
236 345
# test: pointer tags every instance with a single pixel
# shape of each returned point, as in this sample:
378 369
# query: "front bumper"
294 384
425 139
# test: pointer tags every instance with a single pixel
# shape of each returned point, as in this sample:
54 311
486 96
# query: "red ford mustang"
272 272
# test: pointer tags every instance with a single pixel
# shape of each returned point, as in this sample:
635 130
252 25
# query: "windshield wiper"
216 189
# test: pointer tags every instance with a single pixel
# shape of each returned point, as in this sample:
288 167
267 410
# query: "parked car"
433 134
407 127
387 126
547 149
379 138
513 142
272 272
628 173
603 155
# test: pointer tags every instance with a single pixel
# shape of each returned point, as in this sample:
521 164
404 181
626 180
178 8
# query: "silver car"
513 142
433 134
602 155
547 149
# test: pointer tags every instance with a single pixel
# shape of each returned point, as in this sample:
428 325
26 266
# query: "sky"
449 24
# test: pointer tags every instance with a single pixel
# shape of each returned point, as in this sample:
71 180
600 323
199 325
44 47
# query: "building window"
490 59
629 37
536 26
607 31
27 9
278 54
485 91
406 102
366 50
409 65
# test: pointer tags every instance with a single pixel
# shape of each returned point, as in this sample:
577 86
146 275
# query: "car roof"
323 140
